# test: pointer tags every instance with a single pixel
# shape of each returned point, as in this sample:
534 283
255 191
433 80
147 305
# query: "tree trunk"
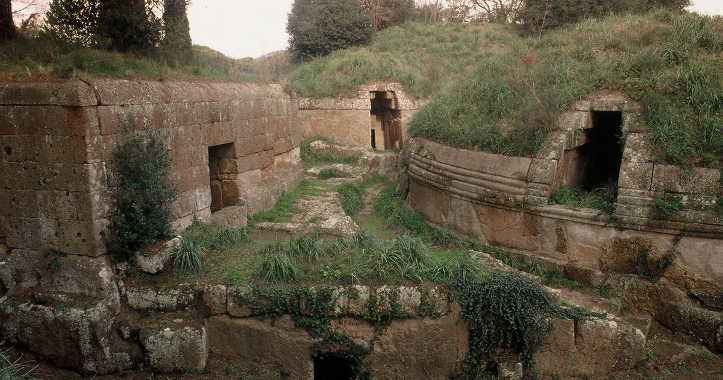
7 26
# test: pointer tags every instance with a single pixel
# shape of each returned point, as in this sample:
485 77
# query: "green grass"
667 206
601 199
328 173
46 57
491 89
351 197
14 369
284 207
312 158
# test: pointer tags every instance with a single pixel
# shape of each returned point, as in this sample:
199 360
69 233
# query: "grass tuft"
188 256
278 267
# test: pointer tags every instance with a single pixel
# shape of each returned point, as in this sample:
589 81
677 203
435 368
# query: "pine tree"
177 41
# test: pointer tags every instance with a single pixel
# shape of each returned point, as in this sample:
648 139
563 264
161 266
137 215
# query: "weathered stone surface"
232 217
420 348
262 346
215 297
157 261
76 338
175 349
696 181
65 93
142 298
238 301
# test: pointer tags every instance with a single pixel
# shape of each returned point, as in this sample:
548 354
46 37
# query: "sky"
251 28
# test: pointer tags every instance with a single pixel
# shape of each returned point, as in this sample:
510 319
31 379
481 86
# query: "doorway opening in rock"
386 124
222 175
333 366
595 162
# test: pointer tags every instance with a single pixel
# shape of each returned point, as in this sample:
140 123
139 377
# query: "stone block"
140 298
215 298
157 260
64 93
668 178
238 297
636 175
571 121
231 216
175 349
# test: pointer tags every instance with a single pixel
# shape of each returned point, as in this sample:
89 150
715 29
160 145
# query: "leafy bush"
543 14
506 311
667 206
142 194
74 21
351 197
318 27
188 256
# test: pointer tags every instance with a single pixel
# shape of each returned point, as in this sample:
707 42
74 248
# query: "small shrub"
602 198
188 256
667 206
279 267
142 193
351 197
718 207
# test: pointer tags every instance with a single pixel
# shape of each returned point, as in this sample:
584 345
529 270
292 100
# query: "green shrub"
74 21
718 207
278 267
351 197
142 194
667 206
188 256
506 311
318 27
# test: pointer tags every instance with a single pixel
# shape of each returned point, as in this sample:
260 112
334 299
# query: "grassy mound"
44 57
669 62
506 92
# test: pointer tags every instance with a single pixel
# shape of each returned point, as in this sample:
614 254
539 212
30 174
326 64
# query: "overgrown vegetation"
602 198
142 192
329 155
507 311
188 256
351 197
667 206
327 173
506 92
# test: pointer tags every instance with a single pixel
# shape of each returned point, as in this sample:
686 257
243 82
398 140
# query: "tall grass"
14 369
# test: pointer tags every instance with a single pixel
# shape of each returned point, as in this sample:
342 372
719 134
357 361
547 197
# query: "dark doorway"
386 122
333 366
596 163
221 177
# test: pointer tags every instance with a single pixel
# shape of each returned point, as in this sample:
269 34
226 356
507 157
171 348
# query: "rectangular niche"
222 170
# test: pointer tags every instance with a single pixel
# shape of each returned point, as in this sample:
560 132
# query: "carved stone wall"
57 139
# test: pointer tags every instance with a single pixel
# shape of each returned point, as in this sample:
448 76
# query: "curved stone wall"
503 201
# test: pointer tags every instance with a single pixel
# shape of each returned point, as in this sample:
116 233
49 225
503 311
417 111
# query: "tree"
177 40
386 13
318 27
501 11
74 21
7 26
129 25
544 14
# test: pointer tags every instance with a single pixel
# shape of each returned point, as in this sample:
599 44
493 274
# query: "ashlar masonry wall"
56 140
349 120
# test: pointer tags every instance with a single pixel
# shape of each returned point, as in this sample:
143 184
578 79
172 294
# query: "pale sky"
251 28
